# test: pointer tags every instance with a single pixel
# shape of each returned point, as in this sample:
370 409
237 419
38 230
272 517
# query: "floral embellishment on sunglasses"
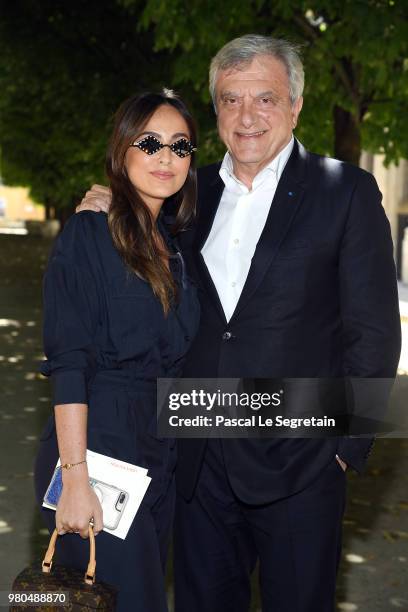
151 145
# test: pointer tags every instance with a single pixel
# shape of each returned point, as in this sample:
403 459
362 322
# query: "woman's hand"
77 505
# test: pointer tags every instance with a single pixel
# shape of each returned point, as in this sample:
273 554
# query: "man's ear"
296 108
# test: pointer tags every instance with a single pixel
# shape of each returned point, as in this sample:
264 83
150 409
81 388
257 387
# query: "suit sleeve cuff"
355 451
69 388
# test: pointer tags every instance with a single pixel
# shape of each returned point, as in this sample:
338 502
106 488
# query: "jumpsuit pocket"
136 316
112 444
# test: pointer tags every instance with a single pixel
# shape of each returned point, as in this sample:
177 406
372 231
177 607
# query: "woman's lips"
163 176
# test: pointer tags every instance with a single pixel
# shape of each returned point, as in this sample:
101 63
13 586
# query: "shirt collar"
276 166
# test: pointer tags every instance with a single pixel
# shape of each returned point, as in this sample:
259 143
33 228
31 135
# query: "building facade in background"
393 184
16 206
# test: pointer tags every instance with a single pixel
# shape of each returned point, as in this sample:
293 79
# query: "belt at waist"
123 378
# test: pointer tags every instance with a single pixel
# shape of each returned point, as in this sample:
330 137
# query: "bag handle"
90 572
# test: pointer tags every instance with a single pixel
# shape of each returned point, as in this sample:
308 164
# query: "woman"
120 312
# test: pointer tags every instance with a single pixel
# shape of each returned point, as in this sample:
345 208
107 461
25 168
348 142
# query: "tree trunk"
48 211
63 214
347 138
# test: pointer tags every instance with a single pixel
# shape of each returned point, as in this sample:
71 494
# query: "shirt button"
227 335
233 284
236 241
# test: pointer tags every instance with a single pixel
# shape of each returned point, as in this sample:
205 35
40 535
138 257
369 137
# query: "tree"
355 53
64 68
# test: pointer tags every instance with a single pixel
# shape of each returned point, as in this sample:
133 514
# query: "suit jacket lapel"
208 204
286 201
209 200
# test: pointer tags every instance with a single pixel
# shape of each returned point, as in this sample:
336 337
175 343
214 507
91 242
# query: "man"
292 255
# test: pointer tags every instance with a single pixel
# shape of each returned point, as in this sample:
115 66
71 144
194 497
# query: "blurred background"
64 68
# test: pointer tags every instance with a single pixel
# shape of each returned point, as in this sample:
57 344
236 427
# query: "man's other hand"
342 463
98 199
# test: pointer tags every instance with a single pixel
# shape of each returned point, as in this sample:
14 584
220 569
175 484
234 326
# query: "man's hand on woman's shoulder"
98 199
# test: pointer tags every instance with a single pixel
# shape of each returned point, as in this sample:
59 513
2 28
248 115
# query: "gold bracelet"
68 466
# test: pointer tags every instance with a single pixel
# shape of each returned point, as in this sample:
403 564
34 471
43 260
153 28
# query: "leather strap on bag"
90 572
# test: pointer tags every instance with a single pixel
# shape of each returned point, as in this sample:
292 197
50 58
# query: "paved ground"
373 574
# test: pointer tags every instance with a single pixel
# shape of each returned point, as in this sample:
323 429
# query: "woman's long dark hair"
130 221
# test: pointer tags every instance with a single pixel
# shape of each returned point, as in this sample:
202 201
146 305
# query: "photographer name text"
255 420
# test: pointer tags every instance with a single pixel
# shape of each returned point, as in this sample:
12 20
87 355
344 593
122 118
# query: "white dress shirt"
238 225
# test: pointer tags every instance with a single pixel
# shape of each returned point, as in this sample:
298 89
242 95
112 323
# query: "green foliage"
64 68
355 55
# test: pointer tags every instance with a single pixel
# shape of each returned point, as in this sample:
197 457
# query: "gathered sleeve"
71 314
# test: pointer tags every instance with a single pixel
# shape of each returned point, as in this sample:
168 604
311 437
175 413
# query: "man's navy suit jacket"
320 300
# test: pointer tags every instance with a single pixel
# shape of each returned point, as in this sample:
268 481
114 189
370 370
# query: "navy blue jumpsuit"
106 341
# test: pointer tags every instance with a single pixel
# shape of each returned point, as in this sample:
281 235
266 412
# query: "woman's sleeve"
71 313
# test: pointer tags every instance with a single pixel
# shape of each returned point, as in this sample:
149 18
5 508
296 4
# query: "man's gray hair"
242 50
